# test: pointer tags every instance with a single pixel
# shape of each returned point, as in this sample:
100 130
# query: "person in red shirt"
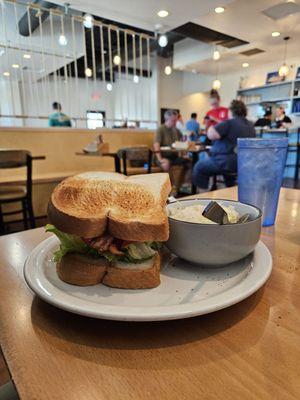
217 113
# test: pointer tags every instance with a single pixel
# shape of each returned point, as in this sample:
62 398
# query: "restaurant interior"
149 199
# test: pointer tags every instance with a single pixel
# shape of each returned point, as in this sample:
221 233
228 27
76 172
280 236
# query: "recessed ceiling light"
88 72
163 13
219 10
88 21
109 87
16 66
275 34
245 65
1 52
6 73
136 79
27 56
117 60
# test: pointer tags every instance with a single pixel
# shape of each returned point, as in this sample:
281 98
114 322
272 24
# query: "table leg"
194 160
117 164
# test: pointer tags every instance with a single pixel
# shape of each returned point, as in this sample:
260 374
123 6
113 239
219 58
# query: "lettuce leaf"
68 243
134 253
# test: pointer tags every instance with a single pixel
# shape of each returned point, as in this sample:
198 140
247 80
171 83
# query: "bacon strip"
108 243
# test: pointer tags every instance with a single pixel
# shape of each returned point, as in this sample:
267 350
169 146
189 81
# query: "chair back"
13 158
137 156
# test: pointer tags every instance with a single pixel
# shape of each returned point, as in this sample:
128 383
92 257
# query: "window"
95 119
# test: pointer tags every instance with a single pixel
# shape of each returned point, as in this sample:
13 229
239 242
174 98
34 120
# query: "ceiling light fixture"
168 70
117 60
27 56
16 66
6 73
276 34
62 40
216 55
88 72
1 52
136 79
216 84
219 10
163 40
88 21
109 87
284 69
245 65
163 13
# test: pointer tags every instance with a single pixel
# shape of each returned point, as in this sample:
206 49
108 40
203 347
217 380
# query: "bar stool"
215 182
17 193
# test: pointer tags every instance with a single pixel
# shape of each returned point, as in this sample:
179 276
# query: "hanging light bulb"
168 70
109 87
117 60
136 79
216 55
163 40
88 72
216 84
284 68
88 21
62 40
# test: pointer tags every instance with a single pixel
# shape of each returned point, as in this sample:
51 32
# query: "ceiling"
244 18
143 13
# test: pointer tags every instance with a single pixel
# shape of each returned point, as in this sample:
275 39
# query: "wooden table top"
248 351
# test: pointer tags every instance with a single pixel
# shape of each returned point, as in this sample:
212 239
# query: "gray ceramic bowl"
213 244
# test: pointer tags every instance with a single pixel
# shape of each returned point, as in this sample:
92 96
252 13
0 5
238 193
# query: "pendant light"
284 69
216 85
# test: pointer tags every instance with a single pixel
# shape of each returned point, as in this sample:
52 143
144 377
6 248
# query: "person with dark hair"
223 154
282 120
193 127
217 113
266 120
166 134
58 118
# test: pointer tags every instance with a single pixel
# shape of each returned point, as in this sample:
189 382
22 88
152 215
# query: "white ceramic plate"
185 291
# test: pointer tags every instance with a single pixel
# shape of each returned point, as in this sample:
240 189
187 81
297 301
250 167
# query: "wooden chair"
134 159
17 194
216 179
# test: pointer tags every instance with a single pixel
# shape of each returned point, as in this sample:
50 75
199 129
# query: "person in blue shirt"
193 126
58 118
223 154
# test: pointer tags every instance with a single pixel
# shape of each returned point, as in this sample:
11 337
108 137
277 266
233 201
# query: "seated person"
223 155
266 120
193 127
58 118
167 134
282 120
169 161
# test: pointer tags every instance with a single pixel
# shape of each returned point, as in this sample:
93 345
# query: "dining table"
250 350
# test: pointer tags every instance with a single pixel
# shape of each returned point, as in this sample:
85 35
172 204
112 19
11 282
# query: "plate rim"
154 313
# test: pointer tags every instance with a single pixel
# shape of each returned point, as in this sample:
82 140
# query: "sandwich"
111 228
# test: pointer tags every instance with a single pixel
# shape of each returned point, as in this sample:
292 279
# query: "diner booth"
149 200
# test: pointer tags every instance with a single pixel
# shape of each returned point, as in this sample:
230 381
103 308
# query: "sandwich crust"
81 270
131 208
130 278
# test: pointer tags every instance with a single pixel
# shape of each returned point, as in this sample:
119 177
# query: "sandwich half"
110 228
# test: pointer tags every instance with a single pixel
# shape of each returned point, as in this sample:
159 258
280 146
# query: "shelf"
266 86
257 103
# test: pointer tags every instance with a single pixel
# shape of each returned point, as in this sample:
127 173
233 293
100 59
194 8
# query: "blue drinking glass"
261 165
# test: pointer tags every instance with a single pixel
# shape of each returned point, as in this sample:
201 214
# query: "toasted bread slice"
145 275
130 208
81 270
